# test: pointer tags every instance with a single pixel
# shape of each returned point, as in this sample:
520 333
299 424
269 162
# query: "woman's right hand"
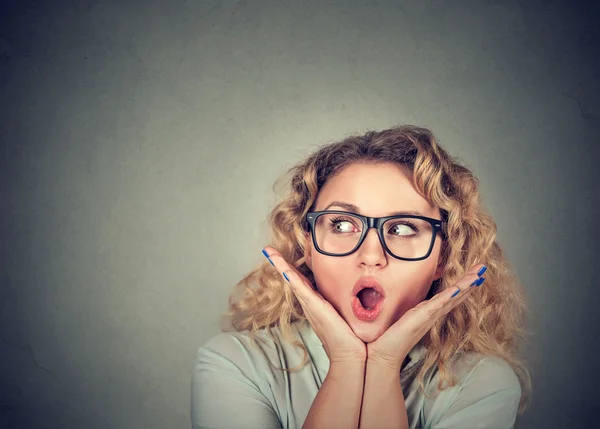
340 343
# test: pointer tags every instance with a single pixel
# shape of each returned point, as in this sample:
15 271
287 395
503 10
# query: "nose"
371 251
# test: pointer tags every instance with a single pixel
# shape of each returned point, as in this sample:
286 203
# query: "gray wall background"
135 134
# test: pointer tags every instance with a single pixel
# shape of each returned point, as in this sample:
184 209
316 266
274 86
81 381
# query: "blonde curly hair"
489 322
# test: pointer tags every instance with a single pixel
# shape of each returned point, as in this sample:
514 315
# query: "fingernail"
286 277
481 271
475 282
267 255
455 293
480 281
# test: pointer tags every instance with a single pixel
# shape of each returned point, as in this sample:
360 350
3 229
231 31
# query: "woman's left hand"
392 347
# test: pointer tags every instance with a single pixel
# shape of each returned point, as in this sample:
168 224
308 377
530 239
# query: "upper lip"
365 282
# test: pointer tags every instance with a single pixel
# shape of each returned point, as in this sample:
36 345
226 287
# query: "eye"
404 228
340 225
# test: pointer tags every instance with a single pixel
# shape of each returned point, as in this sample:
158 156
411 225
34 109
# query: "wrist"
347 356
391 364
345 369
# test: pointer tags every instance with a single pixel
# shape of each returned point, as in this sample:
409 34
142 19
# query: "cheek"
417 278
330 279
414 282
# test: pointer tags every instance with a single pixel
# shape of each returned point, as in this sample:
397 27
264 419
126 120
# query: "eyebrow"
354 209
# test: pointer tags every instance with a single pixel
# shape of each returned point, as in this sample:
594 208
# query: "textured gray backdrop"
140 143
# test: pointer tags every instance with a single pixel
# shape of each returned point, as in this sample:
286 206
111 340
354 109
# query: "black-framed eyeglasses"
404 237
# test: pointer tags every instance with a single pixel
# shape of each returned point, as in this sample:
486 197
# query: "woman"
370 309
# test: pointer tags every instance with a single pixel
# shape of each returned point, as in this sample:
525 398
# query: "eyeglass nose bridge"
372 222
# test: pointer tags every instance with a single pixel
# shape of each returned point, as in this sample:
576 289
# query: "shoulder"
234 372
487 395
487 372
475 373
252 355
236 349
233 344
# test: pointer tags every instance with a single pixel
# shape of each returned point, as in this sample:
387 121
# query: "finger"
307 296
451 293
429 311
280 263
449 298
277 260
473 277
299 284
478 269
459 295
473 274
316 308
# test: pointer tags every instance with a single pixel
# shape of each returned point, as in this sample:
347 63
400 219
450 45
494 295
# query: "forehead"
376 189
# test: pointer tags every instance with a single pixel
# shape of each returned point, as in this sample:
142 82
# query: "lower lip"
362 313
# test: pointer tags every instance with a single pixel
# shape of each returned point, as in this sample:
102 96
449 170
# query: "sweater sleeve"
223 395
488 399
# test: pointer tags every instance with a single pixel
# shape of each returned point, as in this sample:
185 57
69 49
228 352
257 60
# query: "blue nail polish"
481 271
267 255
455 293
480 281
286 277
475 282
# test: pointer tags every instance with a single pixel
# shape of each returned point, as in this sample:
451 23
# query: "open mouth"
369 298
367 304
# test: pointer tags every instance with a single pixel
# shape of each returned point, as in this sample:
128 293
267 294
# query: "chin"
368 331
